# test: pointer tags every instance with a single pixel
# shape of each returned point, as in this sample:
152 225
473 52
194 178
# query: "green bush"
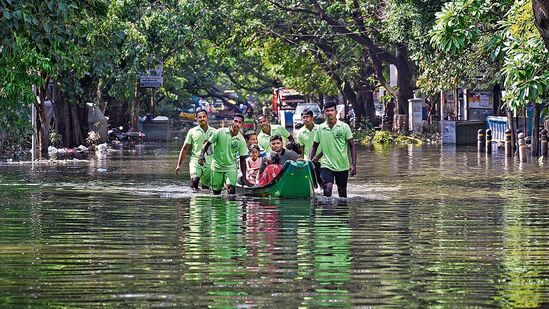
387 138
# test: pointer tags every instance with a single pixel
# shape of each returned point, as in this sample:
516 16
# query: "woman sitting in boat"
271 171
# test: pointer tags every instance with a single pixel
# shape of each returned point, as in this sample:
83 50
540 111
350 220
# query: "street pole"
33 122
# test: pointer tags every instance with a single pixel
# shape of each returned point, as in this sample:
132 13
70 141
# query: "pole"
480 140
543 142
508 144
522 148
489 141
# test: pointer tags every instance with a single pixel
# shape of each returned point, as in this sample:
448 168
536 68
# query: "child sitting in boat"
271 171
253 163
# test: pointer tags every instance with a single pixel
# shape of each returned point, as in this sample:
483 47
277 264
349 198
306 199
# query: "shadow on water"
424 226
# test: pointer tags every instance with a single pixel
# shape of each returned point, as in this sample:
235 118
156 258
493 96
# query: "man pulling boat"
228 144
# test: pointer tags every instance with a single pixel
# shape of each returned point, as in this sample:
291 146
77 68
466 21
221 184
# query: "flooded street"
424 226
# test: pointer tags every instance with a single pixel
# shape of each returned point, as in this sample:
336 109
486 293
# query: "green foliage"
383 137
20 67
526 60
364 130
472 32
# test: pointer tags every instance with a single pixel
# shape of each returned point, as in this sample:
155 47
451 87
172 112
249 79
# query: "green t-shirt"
264 140
226 148
305 139
334 145
196 138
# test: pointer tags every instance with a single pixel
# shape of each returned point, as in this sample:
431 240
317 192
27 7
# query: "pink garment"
252 168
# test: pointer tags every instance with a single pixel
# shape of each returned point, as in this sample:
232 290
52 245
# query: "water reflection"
429 226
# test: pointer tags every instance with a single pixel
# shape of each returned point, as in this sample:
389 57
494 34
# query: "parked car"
315 108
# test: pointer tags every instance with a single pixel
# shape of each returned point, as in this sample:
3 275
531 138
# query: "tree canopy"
94 50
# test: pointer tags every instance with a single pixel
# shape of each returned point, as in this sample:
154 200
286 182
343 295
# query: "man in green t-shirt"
228 144
336 139
268 130
194 141
307 132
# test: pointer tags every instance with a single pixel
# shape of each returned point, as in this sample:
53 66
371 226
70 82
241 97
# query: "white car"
315 108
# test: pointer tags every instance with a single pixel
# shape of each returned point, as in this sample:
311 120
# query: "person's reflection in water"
332 256
262 229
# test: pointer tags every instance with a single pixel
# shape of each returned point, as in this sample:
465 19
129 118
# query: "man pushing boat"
228 144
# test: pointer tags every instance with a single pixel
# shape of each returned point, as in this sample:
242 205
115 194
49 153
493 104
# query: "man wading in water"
336 139
194 141
228 143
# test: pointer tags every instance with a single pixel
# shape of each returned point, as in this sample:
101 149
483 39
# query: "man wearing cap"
228 143
194 141
268 130
336 139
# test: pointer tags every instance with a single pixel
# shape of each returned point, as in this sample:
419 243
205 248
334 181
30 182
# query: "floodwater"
424 226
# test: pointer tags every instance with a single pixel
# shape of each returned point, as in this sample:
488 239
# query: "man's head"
201 116
276 143
262 121
251 137
238 119
249 110
307 117
330 112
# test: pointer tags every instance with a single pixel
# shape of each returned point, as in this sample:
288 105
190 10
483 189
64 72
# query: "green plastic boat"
296 180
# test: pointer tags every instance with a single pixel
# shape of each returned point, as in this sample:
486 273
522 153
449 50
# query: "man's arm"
353 157
202 158
287 134
181 157
243 169
313 152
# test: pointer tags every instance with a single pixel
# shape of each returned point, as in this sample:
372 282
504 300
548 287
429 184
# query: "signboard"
480 99
151 81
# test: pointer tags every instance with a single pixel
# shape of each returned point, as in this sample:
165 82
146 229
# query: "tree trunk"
366 103
535 130
350 97
41 123
404 79
78 125
366 90
135 109
360 109
496 92
71 120
541 19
